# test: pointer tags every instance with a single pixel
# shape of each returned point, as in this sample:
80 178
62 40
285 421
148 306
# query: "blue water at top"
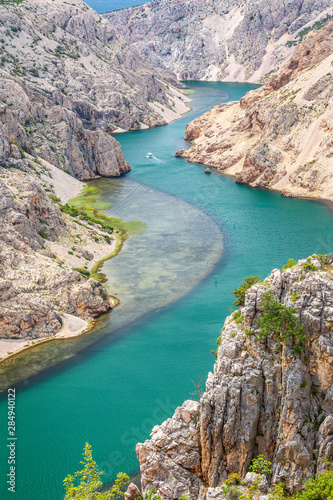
102 6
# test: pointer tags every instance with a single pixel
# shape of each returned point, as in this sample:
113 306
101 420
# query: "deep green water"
111 387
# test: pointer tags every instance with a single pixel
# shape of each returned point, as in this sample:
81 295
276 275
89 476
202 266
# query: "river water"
204 235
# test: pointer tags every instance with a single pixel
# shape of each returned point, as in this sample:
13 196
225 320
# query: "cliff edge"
68 81
271 393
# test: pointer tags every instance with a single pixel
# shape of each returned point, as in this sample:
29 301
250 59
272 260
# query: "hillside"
46 255
280 135
68 80
217 40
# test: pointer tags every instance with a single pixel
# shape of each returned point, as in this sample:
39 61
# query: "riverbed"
204 235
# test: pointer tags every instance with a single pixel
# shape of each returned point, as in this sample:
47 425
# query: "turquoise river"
110 387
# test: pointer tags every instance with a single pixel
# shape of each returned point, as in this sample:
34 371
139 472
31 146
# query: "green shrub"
239 293
85 484
84 272
278 492
290 263
231 492
260 465
280 321
43 234
237 317
233 480
319 488
325 258
308 266
294 297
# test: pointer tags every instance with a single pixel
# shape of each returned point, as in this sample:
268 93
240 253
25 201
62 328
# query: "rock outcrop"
37 281
68 80
262 398
235 40
280 135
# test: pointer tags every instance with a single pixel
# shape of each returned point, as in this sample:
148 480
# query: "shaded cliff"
235 40
270 393
280 135
68 80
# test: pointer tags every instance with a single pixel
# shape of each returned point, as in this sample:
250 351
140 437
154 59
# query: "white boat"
149 155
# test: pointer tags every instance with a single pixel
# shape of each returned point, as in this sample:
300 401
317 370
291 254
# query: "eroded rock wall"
258 400
235 40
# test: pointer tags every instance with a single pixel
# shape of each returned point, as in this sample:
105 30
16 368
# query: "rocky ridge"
68 80
39 247
280 135
259 400
217 40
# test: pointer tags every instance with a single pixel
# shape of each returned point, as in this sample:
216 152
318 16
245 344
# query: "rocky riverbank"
269 394
279 136
46 257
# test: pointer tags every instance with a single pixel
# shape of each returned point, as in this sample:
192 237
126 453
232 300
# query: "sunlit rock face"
259 400
233 40
280 135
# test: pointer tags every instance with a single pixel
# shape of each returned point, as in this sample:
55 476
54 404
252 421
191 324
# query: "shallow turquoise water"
112 391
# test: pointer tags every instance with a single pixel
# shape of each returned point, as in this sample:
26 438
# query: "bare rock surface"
258 400
40 292
280 135
233 40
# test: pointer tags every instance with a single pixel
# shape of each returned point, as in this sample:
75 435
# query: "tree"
239 293
89 482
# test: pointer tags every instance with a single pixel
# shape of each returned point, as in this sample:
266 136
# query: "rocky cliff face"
37 281
279 136
233 40
261 399
67 80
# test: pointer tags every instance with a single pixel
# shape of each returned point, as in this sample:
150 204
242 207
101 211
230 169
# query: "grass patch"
86 206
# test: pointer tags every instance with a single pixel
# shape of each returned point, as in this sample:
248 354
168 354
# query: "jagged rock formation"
280 135
259 400
37 282
67 80
235 40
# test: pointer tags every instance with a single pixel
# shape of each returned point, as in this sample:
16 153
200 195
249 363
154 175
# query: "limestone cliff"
280 135
68 80
39 247
234 40
263 397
